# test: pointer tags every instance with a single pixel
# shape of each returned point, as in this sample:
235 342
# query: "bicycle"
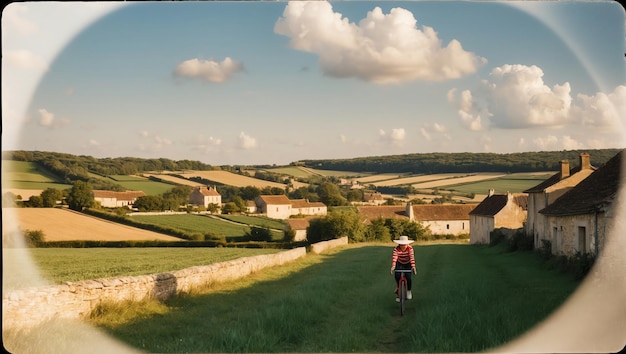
402 288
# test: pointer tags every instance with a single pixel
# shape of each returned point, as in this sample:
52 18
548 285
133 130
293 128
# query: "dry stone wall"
320 247
29 307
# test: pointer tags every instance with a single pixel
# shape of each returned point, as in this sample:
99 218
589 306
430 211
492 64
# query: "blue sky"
275 82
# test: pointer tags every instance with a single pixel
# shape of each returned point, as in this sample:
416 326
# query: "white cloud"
382 48
15 20
343 138
93 142
602 110
470 113
395 137
515 96
246 141
427 130
153 142
46 118
552 142
24 59
210 70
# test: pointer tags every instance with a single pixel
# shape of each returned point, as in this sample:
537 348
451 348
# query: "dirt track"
65 225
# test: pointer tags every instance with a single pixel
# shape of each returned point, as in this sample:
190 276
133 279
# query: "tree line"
465 162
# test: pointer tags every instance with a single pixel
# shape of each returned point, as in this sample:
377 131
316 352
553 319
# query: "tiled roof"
592 193
209 192
303 203
383 211
433 212
299 223
492 205
276 199
127 195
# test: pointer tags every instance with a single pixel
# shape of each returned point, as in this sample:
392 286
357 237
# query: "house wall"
511 217
481 227
535 222
576 233
277 211
445 227
309 211
300 235
107 202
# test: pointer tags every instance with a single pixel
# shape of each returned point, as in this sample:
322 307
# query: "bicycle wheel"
402 290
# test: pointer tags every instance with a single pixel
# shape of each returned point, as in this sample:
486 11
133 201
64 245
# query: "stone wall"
320 247
29 307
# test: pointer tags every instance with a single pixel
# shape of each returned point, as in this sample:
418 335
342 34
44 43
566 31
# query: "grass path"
466 299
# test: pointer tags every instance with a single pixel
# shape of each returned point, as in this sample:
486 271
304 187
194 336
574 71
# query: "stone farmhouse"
580 220
112 199
442 219
546 192
374 198
205 196
281 207
498 211
299 225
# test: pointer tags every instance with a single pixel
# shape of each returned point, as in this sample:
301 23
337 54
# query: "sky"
252 83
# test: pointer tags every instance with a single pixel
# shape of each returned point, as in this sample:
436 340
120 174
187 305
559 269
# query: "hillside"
434 163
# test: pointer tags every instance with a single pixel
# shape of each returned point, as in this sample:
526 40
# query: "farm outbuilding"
497 211
112 199
205 196
580 219
546 192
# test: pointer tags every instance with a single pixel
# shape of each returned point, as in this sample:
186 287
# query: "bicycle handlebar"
403 270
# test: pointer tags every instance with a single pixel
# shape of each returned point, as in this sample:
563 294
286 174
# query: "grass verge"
466 298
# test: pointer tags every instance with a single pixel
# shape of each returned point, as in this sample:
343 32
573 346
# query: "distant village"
570 212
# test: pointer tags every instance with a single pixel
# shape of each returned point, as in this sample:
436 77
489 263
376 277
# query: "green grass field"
466 299
28 175
201 224
255 221
72 264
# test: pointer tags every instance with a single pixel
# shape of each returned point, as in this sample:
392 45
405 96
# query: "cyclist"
403 258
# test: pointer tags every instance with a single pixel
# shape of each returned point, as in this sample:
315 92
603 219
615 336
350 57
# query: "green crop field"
255 221
466 299
514 183
28 175
291 171
201 224
73 264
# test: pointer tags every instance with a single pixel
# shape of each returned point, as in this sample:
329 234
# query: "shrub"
520 241
259 234
289 235
34 237
495 237
545 252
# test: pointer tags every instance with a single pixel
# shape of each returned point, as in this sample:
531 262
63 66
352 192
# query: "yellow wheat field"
66 225
451 181
231 179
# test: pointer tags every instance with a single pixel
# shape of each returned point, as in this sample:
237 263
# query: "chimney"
491 192
585 164
409 211
564 169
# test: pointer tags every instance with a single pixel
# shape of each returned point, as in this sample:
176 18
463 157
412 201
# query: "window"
448 226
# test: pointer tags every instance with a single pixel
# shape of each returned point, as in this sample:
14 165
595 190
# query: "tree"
259 234
354 195
330 194
80 196
50 196
336 224
34 201
230 208
378 231
149 203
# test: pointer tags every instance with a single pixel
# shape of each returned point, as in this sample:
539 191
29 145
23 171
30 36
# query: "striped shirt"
404 257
